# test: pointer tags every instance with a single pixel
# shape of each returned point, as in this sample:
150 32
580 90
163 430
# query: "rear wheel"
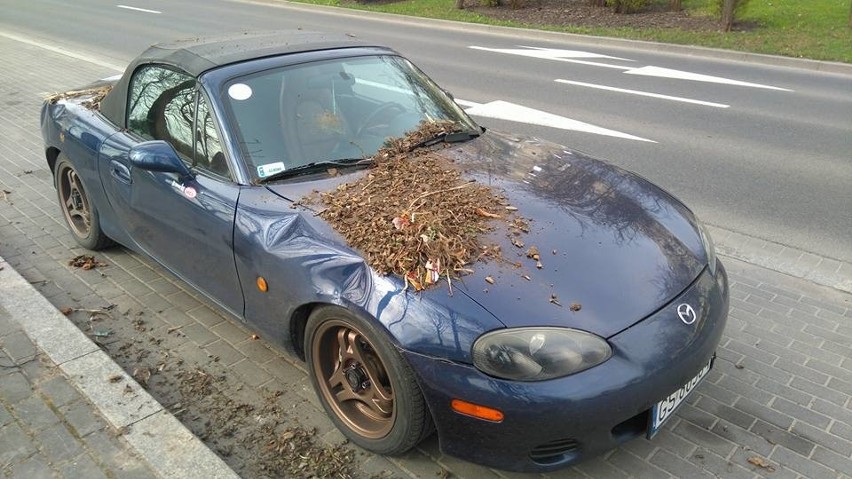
364 383
79 212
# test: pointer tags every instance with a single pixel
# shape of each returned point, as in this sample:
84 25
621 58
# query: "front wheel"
364 383
80 213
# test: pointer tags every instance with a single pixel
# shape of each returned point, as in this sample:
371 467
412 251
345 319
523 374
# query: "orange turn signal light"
477 411
261 284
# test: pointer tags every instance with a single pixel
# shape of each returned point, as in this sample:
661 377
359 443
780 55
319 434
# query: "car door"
184 223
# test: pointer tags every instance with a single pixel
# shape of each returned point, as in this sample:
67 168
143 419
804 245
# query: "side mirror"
157 155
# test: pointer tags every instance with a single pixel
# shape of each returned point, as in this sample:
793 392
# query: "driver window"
161 103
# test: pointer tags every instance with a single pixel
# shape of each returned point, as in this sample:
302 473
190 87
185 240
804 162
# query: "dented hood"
612 244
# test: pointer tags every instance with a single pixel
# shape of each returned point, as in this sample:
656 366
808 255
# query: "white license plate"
665 409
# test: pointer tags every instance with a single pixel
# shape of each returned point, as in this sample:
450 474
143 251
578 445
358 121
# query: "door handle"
119 172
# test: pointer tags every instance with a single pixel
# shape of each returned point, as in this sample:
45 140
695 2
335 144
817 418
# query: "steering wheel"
381 116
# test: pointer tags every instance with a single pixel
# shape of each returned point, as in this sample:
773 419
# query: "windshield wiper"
454 137
314 167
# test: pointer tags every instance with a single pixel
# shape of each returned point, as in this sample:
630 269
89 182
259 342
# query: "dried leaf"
526 277
575 307
533 253
485 214
255 337
761 462
489 280
518 243
86 262
66 310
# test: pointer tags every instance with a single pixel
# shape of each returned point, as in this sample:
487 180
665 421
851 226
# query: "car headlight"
538 354
709 247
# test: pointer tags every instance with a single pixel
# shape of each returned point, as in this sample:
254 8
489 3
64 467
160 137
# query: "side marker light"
477 411
261 284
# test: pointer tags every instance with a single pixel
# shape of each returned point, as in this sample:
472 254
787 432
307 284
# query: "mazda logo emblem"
686 313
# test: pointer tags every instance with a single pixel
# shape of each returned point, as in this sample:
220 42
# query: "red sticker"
189 192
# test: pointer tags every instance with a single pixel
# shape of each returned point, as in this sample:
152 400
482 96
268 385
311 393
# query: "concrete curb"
515 32
797 263
165 444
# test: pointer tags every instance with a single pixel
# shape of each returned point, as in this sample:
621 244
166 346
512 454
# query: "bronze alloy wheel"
73 200
352 378
77 208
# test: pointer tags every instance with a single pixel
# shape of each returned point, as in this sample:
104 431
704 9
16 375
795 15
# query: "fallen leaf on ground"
489 280
576 306
66 310
85 262
761 462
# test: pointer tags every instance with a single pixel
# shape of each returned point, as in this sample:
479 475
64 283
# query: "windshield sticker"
239 91
268 170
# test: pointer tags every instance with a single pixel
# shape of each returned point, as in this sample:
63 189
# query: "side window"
208 149
161 105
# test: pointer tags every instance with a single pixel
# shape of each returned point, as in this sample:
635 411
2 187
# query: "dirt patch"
414 214
578 13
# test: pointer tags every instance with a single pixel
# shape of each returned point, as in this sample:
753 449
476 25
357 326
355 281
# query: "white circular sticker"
239 91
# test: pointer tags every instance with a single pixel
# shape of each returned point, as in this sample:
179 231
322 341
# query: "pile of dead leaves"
85 262
414 214
95 94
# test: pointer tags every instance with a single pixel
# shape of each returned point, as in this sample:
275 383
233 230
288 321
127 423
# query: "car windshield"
331 111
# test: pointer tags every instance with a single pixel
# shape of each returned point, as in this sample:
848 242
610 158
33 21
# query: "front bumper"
551 424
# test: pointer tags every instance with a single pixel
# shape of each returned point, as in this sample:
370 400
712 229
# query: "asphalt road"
761 150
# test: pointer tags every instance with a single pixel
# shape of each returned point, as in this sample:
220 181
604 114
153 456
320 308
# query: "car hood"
613 247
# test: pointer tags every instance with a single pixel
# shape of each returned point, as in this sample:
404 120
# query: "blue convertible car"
197 157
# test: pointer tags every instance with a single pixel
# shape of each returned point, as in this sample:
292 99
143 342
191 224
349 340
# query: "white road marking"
503 110
559 53
572 56
681 75
644 93
137 9
569 56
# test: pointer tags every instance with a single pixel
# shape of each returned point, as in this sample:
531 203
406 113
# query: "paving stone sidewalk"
47 428
780 390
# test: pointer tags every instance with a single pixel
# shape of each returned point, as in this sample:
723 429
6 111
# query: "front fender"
304 261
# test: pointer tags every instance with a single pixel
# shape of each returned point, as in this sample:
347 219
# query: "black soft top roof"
198 55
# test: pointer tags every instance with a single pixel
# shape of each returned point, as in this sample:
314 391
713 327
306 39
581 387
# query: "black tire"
79 211
345 382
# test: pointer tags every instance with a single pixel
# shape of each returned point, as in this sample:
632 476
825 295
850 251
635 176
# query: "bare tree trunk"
676 6
460 4
728 14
